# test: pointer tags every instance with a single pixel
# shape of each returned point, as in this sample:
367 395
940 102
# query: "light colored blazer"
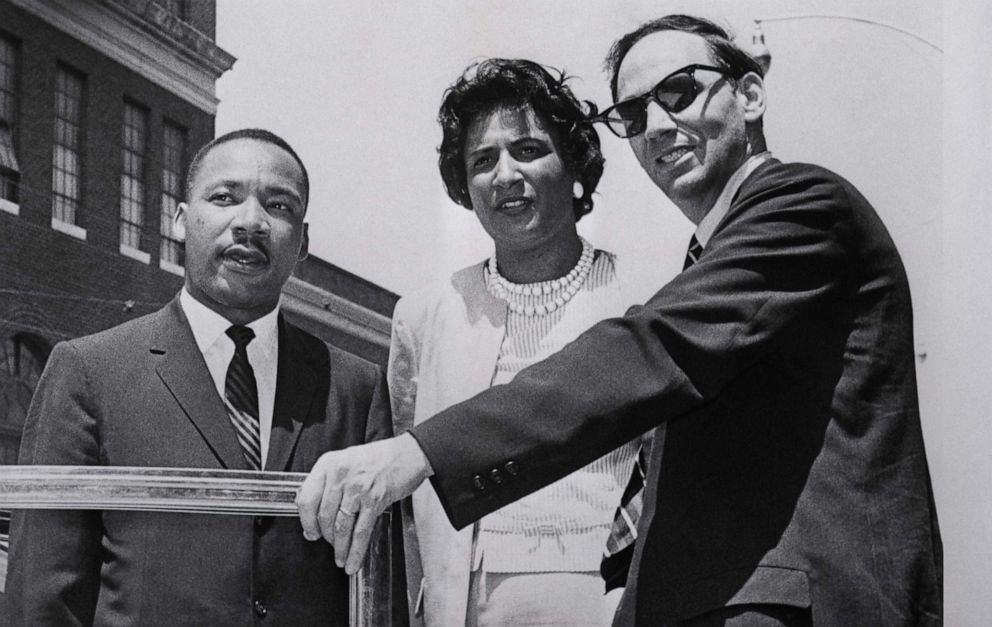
445 344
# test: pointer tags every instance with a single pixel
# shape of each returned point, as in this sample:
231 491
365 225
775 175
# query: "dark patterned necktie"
241 393
620 543
692 255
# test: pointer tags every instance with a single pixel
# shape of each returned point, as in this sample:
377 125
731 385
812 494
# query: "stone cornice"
142 36
318 304
169 29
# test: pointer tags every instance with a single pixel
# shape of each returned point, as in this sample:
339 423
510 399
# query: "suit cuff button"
260 609
511 468
478 484
496 476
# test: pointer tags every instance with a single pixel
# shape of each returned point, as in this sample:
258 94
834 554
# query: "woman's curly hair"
494 84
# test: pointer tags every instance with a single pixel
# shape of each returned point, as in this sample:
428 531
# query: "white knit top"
562 527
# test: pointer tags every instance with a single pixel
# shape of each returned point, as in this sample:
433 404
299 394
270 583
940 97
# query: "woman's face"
518 183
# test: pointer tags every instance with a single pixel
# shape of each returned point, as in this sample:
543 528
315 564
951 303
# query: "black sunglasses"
673 93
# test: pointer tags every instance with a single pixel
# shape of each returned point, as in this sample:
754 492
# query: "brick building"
102 103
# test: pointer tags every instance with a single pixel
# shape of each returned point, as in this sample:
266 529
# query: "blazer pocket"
765 584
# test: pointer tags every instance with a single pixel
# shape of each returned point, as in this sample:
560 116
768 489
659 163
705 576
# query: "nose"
251 218
506 172
658 121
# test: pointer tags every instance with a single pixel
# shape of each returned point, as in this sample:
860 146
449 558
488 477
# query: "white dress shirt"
209 330
722 205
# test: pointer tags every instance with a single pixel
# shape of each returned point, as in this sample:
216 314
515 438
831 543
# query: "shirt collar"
704 231
208 326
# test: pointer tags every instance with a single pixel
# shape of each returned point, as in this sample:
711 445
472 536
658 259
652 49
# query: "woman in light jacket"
519 151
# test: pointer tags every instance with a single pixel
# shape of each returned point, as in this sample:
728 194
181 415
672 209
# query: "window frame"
10 73
133 191
69 140
173 171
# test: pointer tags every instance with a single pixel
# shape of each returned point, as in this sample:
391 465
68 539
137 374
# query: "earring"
577 190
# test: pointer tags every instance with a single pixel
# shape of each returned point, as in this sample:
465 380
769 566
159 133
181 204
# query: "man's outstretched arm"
783 257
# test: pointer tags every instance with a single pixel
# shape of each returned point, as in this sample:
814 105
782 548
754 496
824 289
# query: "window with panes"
10 169
134 141
67 157
173 171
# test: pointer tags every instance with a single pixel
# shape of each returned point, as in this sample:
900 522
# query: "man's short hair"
725 52
258 134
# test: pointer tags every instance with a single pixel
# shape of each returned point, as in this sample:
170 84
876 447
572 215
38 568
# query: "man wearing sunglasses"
791 486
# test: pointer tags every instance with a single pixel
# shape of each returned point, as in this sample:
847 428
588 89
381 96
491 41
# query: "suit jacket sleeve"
780 254
55 555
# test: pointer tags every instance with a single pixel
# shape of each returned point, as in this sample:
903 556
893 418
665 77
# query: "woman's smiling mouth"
513 205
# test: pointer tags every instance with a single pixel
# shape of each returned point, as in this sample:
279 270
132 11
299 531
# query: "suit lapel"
296 384
183 370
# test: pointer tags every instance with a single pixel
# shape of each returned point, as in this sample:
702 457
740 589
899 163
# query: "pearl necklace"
538 299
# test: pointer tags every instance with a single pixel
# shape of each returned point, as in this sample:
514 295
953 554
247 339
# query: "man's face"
691 154
243 227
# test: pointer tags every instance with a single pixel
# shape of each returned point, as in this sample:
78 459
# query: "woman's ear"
751 91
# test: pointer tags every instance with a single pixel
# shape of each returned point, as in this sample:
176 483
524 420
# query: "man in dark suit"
792 486
215 379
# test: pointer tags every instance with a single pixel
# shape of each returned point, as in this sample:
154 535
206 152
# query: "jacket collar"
183 371
707 226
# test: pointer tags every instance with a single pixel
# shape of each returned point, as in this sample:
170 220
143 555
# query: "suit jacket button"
512 468
496 476
478 484
260 609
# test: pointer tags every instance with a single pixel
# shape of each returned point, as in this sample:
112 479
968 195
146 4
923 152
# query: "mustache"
246 244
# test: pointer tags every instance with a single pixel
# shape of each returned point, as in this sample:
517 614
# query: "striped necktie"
620 543
241 394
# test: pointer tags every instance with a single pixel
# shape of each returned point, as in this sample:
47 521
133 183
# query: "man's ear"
179 222
305 244
751 91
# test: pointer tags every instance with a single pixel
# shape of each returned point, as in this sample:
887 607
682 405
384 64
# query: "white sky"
354 86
